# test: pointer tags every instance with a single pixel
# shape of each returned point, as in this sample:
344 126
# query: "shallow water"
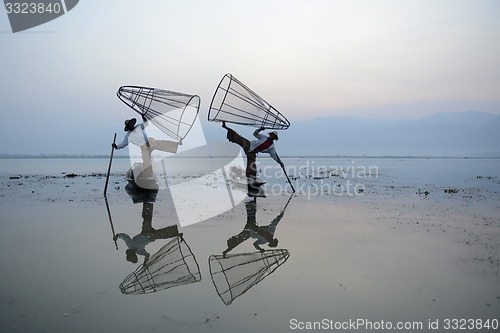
350 257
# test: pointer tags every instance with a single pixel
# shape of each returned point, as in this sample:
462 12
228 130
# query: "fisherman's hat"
275 134
130 123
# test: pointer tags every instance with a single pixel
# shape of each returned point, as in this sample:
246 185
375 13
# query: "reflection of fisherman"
263 144
137 244
137 135
262 235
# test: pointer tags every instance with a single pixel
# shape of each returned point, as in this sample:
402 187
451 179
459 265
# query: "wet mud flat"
389 253
468 213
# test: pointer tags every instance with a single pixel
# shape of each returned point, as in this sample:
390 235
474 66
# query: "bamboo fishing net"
173 265
234 274
234 102
172 112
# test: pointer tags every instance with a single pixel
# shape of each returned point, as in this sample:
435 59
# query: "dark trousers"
232 136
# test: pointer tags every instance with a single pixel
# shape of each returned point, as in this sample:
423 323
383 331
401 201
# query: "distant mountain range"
455 134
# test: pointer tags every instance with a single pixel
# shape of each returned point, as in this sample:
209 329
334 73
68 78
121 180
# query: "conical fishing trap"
172 112
235 103
173 265
234 274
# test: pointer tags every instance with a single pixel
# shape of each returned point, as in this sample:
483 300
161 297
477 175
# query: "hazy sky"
377 59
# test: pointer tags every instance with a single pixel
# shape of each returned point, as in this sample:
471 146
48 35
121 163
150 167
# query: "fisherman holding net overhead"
234 102
136 134
262 144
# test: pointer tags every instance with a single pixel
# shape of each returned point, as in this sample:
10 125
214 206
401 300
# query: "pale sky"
375 59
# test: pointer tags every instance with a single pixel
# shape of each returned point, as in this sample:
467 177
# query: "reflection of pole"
286 205
109 166
289 182
111 222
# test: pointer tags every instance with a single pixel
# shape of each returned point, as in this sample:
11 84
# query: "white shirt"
260 139
137 136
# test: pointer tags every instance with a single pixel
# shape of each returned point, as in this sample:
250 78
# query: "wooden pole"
289 182
109 166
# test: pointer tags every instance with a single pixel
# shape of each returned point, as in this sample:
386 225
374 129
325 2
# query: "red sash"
264 145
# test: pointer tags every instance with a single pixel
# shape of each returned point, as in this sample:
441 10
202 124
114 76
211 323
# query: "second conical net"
234 102
234 274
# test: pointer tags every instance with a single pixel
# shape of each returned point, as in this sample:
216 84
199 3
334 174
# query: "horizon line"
90 156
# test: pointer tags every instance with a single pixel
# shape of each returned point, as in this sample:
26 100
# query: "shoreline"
104 156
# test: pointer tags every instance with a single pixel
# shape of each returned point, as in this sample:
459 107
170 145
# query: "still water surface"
63 271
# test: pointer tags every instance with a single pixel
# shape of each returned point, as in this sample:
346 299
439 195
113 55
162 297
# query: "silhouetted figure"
137 244
261 234
233 274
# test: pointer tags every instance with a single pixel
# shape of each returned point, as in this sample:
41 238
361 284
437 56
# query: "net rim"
195 105
137 274
231 78
213 257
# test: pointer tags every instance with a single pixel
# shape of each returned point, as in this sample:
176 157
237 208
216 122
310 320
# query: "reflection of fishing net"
172 112
173 265
235 274
236 103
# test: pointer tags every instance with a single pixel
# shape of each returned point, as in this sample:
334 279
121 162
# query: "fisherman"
263 144
261 234
136 134
137 244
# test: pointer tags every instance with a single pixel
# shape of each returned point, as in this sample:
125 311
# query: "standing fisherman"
136 134
263 144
